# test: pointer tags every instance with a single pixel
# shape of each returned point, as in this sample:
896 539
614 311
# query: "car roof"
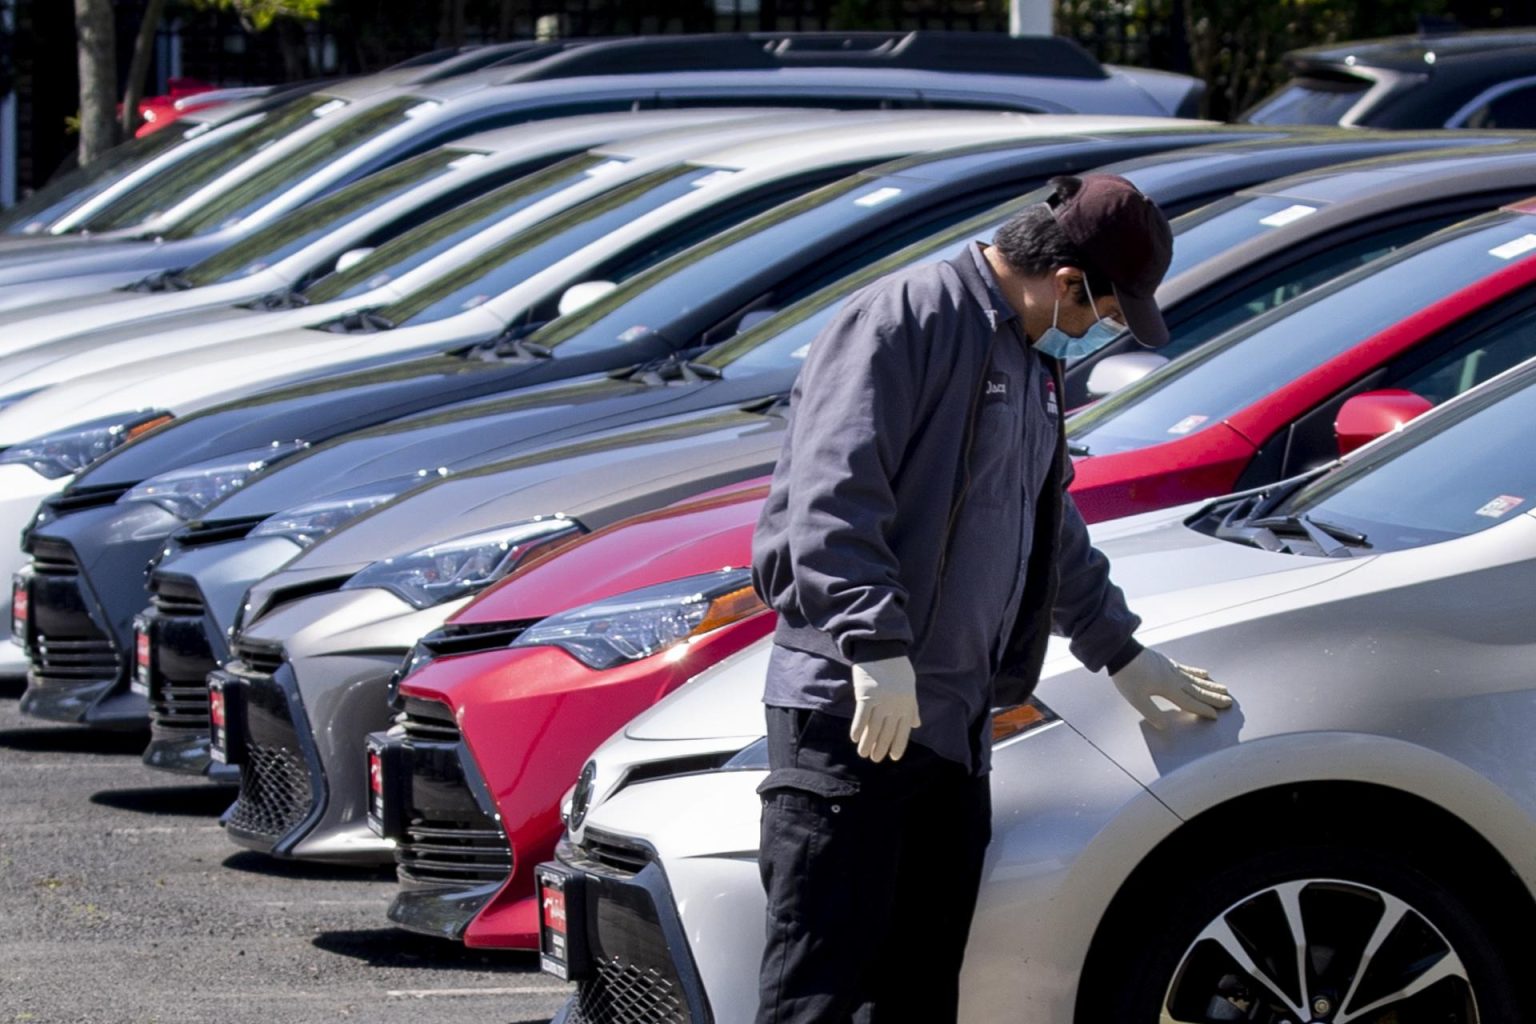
1409 52
933 126
1427 174
640 128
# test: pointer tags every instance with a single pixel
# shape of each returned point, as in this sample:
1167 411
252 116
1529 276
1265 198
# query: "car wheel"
1304 935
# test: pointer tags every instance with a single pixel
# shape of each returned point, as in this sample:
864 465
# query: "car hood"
465 436
596 481
1169 573
132 258
687 539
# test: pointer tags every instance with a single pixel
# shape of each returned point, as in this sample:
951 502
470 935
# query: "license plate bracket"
388 787
562 922
226 718
143 680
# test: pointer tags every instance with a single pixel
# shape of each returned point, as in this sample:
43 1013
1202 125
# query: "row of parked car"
389 445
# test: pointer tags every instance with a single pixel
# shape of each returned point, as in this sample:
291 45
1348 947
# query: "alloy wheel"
1320 951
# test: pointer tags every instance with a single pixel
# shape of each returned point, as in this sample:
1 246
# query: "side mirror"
351 258
1112 373
1366 417
583 294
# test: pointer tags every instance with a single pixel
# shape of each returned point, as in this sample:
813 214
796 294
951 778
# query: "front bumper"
86 585
451 855
632 939
22 490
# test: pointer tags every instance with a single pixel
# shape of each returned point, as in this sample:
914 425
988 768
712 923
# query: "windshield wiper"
364 321
163 281
291 298
522 348
1333 540
1077 448
668 369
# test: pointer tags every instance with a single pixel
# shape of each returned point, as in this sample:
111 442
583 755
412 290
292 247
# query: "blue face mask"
1058 343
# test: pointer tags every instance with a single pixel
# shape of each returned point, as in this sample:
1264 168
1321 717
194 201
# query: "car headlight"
458 568
188 491
305 524
70 451
641 623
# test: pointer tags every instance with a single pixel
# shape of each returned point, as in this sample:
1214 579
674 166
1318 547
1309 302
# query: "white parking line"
524 990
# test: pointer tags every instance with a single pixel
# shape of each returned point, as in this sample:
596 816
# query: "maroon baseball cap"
1127 239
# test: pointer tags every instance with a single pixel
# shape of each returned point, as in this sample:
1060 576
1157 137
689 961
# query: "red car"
500 708
1324 372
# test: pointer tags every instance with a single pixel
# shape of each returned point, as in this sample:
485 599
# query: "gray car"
1354 842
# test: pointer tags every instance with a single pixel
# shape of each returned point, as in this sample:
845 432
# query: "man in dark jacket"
919 546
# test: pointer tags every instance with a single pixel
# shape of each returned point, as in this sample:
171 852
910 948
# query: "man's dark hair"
1034 244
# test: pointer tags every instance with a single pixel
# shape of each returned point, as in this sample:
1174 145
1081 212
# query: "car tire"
1174 949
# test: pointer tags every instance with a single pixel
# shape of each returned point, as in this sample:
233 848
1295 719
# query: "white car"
333 232
1355 841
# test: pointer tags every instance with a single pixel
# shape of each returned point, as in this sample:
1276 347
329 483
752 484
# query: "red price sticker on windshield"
1499 506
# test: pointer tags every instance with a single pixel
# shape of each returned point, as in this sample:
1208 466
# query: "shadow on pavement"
396 947
274 867
12 687
193 801
74 740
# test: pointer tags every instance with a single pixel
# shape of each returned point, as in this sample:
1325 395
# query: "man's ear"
1067 284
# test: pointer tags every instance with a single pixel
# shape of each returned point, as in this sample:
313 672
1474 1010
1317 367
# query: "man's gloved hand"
1151 674
885 707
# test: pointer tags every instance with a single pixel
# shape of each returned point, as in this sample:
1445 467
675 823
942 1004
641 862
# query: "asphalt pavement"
122 902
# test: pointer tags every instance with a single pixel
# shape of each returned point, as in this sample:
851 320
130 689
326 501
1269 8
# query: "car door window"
1287 282
1513 109
1471 361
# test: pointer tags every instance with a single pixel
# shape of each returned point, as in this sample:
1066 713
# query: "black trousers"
871 872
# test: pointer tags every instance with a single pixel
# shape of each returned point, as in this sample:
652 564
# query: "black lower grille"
215 531
613 855
180 708
623 993
176 597
275 792
179 701
72 660
261 659
454 853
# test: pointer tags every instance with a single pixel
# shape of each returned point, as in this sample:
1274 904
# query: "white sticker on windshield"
634 333
467 160
1187 424
801 352
425 107
1500 505
1519 247
329 108
605 167
713 177
1280 218
877 197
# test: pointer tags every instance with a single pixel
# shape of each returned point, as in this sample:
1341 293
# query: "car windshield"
164 191
427 241
240 201
69 189
293 231
673 287
1309 101
502 266
788 335
1475 455
1205 386
1217 227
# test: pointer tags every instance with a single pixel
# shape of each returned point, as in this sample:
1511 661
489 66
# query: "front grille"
275 793
622 993
176 597
467 849
259 658
428 720
77 498
68 660
474 637
610 853
215 531
50 558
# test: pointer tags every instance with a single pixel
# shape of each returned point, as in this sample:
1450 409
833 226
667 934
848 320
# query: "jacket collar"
982 285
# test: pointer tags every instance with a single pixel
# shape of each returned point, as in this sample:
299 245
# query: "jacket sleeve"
850 421
1089 609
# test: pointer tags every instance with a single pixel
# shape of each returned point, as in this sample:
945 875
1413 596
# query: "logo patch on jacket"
997 387
1050 397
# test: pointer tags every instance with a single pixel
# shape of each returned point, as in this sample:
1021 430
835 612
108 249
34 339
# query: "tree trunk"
96 32
143 50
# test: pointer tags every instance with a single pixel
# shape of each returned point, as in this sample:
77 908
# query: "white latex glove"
885 707
1151 674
